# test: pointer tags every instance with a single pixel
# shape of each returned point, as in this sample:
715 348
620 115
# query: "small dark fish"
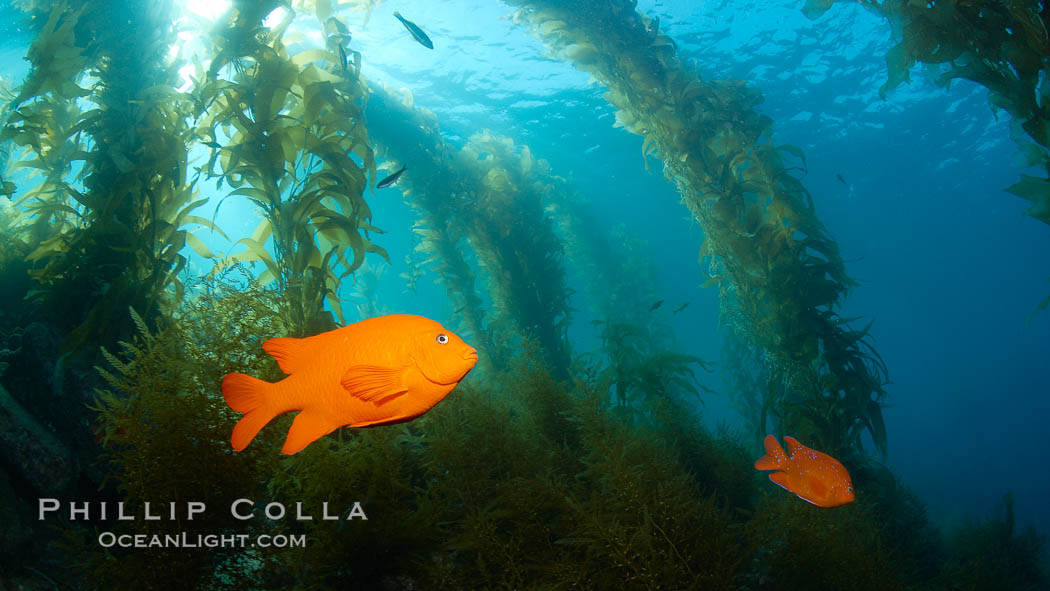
656 305
213 145
390 179
417 33
680 308
342 57
839 177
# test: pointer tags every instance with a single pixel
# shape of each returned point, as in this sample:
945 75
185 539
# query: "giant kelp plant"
501 201
779 273
491 193
622 292
992 554
515 242
7 94
412 135
114 200
640 349
99 138
285 132
104 206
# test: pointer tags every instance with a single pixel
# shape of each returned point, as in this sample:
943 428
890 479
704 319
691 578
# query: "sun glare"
209 9
185 72
274 18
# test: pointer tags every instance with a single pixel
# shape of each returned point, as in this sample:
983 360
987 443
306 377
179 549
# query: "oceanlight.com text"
187 540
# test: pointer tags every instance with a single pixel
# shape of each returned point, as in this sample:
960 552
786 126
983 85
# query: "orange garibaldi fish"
813 476
375 372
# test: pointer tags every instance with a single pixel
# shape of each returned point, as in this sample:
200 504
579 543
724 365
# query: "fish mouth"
471 356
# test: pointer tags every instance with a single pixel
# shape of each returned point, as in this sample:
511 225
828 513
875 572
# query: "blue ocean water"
949 268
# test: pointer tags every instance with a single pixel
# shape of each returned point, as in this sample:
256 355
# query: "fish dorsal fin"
307 428
794 446
374 382
774 458
289 352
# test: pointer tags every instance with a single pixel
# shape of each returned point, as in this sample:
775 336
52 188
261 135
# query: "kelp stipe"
14 279
490 192
515 242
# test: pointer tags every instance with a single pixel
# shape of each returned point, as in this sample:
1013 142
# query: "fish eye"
442 339
849 489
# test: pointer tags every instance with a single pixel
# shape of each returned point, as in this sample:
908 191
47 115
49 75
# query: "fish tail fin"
250 396
775 456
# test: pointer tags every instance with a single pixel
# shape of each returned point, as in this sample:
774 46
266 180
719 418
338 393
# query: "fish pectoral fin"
374 383
818 487
289 352
307 428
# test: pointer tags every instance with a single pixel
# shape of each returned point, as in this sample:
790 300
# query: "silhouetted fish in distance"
390 179
847 183
417 33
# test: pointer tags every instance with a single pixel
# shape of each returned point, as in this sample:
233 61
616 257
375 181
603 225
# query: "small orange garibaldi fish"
813 476
378 371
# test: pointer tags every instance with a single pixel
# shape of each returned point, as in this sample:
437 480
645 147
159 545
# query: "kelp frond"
288 135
